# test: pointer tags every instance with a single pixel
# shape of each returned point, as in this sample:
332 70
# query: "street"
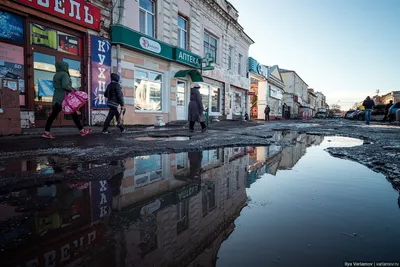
279 189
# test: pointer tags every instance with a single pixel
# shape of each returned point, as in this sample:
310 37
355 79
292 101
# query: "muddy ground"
99 157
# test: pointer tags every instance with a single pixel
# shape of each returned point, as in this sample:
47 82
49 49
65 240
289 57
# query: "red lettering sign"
77 11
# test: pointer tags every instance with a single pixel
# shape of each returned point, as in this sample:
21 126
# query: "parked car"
392 111
337 115
360 115
378 114
348 113
322 113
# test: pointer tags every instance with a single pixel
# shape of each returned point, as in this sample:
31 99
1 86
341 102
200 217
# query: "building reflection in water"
163 210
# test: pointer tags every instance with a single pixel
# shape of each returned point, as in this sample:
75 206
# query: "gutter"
121 11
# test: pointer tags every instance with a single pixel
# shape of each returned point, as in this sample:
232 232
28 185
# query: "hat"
196 85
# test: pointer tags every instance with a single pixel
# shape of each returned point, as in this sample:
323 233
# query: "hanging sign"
101 70
77 11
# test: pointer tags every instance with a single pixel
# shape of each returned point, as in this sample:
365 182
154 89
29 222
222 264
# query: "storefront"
258 89
156 77
238 102
34 36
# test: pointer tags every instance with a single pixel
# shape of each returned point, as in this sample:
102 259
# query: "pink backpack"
74 101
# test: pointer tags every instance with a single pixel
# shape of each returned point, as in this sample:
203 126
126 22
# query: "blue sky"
345 48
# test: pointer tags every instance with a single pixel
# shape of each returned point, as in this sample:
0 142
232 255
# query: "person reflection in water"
195 159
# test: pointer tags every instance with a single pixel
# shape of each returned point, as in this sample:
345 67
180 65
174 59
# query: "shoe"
48 135
85 132
204 130
121 128
105 132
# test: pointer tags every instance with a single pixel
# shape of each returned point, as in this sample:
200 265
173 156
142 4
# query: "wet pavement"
286 204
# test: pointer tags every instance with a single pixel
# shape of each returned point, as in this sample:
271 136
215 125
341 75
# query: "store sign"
101 193
76 11
138 41
150 45
11 27
187 58
101 70
188 192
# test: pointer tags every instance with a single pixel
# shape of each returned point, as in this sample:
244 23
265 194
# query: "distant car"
392 111
348 113
337 115
378 114
360 115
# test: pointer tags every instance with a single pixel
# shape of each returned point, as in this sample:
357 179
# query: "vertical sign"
101 199
101 70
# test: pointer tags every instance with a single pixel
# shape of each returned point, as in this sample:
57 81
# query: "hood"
114 77
62 66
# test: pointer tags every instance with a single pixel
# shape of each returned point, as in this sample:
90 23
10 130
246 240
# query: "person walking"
369 105
196 109
387 107
267 110
62 84
115 98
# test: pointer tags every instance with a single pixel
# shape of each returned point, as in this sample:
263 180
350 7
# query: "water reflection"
163 210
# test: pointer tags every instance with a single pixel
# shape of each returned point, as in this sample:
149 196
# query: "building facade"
321 100
162 48
34 35
394 96
312 101
296 92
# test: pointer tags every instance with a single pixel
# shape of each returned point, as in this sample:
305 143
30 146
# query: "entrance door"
44 70
181 101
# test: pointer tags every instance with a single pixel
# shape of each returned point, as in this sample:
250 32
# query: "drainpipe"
121 11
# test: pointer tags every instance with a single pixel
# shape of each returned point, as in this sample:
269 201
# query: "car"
378 113
348 113
392 111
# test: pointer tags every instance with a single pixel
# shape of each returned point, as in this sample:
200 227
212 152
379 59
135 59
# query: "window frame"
186 31
145 21
240 65
230 58
210 87
210 35
163 102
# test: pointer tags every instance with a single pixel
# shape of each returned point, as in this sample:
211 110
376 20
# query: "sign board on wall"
101 70
77 11
101 193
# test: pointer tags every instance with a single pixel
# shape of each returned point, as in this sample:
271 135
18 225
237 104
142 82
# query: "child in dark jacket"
115 97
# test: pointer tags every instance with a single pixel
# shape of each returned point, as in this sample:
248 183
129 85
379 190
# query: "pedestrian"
387 107
115 98
369 105
196 109
62 84
267 110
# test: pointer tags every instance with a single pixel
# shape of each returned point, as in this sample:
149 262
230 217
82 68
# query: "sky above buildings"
345 48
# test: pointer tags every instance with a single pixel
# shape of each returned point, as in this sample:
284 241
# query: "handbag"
202 118
74 101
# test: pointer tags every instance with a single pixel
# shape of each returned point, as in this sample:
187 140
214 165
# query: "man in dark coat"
115 97
196 109
369 105
267 110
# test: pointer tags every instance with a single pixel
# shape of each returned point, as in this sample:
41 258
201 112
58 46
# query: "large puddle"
250 206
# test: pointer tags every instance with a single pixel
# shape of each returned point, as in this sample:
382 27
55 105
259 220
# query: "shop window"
238 103
146 17
50 38
183 216
74 72
11 27
230 58
210 45
215 99
148 90
208 198
240 64
44 70
182 33
180 160
205 95
148 169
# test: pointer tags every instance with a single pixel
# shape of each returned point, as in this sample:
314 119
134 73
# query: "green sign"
208 68
187 58
138 41
253 65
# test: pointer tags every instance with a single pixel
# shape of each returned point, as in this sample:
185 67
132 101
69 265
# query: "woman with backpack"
115 98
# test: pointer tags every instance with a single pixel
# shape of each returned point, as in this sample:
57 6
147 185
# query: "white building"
296 93
159 47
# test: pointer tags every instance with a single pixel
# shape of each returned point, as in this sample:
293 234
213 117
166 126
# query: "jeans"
368 115
111 114
266 116
54 113
191 125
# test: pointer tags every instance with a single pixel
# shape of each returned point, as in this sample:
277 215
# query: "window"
182 32
215 99
205 94
230 58
44 70
208 198
146 17
180 94
148 90
183 218
240 64
210 45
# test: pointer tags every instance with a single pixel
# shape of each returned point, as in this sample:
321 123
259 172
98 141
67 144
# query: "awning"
194 74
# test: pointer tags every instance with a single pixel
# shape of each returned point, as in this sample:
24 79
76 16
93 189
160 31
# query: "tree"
335 108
